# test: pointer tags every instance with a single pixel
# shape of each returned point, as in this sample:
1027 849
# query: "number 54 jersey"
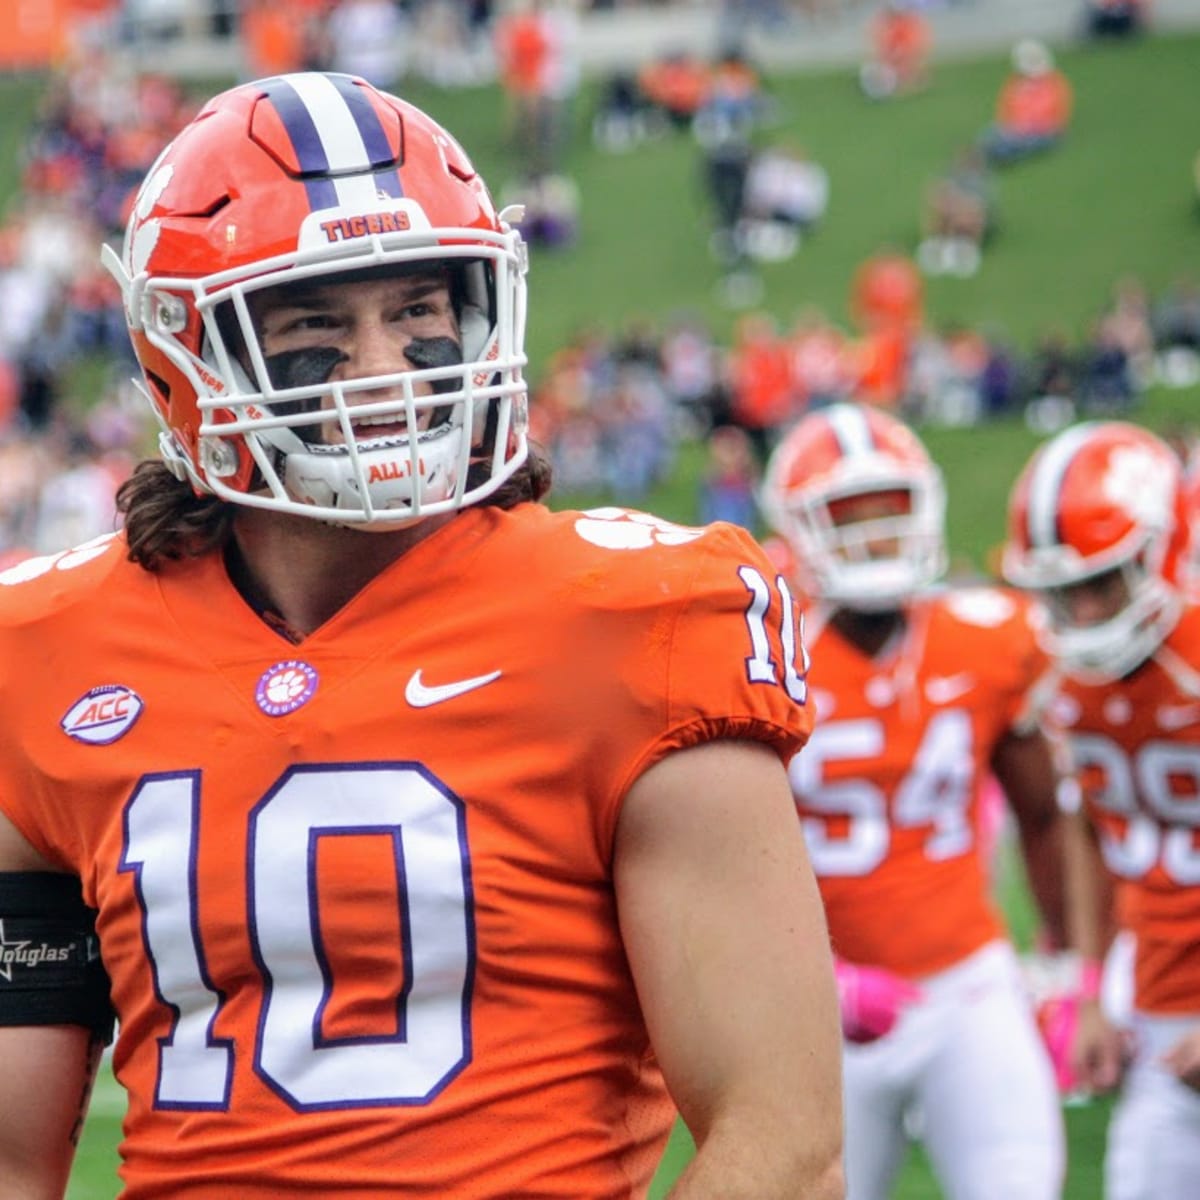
355 895
888 788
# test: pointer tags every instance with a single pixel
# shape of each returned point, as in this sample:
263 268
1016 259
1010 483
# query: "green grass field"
1117 199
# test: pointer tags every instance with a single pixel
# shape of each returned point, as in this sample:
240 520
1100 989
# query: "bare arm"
727 941
1099 1052
1025 766
45 1083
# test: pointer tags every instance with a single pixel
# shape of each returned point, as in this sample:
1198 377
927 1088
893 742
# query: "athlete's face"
1092 601
377 326
872 506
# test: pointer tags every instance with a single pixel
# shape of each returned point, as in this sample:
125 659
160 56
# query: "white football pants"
1153 1148
966 1072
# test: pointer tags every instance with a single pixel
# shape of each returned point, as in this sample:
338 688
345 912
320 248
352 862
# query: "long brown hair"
166 520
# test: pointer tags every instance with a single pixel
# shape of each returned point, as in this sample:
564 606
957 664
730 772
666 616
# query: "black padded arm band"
50 968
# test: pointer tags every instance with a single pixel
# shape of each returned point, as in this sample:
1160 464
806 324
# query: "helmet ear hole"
161 389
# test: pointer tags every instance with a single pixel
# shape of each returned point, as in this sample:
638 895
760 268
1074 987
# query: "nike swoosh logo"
941 689
421 695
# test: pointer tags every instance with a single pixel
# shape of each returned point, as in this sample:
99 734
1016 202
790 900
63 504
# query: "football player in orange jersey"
920 693
436 843
1098 530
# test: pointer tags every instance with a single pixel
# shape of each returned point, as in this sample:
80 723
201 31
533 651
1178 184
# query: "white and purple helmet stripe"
342 148
1045 485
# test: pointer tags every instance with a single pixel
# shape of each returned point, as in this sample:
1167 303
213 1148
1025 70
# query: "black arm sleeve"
50 968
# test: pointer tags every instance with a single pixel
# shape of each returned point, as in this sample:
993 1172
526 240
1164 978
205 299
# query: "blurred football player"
1098 531
424 828
920 692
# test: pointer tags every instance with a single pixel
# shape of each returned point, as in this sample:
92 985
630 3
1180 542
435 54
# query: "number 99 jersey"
355 895
888 787
1136 745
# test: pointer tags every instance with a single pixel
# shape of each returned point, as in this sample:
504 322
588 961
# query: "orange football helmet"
1100 498
321 177
835 456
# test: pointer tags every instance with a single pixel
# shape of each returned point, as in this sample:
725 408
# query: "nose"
1086 605
376 349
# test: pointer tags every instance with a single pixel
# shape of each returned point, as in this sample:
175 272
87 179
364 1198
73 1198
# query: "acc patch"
103 714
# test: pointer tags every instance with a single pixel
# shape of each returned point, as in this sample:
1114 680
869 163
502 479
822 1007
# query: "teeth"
384 419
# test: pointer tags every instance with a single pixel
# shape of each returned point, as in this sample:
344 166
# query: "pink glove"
1058 1019
871 999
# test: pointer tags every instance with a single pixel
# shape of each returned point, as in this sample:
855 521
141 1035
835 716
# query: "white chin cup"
876 586
329 477
1112 649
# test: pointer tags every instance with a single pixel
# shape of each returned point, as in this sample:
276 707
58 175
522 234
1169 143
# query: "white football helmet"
846 451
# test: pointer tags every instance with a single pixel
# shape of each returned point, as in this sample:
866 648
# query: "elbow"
829 1183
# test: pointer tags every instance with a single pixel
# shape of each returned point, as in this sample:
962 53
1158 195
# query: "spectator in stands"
1033 110
888 304
761 389
785 195
729 486
535 43
1129 319
675 85
366 37
887 290
734 102
901 42
691 368
726 163
277 39
1106 386
820 358
958 217
622 118
1053 384
551 204
1177 316
1115 18
724 127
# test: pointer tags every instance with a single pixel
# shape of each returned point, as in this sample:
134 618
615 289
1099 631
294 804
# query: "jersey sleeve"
999 633
730 657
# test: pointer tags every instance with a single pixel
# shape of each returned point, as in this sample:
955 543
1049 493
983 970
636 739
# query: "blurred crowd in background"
608 405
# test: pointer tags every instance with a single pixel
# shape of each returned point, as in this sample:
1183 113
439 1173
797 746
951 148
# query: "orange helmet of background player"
320 178
837 455
1101 497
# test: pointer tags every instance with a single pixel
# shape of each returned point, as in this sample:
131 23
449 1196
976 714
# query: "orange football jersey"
888 787
1136 745
355 895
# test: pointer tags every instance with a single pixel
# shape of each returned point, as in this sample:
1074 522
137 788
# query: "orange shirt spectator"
1033 109
522 46
883 357
1037 105
902 42
678 84
273 39
887 291
762 395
